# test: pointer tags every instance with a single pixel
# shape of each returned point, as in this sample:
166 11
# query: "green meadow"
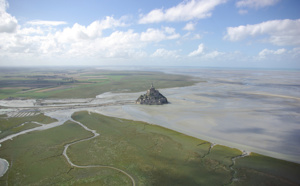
151 154
11 125
73 82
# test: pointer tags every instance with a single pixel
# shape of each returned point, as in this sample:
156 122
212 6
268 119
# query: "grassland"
11 125
152 154
262 170
73 83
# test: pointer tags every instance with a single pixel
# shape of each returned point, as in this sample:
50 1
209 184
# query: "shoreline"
146 114
233 145
232 109
63 117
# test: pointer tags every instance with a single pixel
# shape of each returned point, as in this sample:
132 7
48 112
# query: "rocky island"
152 97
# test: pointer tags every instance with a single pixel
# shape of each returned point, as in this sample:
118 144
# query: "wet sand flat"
254 111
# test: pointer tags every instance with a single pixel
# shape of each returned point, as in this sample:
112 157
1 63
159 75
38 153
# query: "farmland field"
72 83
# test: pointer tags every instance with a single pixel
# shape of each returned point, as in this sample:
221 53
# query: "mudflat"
256 111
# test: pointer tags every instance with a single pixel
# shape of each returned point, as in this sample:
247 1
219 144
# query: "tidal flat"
257 111
247 111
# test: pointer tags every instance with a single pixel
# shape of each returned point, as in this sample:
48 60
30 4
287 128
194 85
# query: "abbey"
152 97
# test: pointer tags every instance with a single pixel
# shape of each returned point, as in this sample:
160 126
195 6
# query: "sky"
204 33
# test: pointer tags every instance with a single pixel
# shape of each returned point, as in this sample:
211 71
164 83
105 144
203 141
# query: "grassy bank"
257 169
13 125
158 156
153 155
36 159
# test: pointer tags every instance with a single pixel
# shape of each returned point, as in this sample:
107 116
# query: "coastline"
226 111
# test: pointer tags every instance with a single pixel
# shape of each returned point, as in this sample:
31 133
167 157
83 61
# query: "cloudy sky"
207 33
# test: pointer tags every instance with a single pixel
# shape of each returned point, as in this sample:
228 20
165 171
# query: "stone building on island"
152 97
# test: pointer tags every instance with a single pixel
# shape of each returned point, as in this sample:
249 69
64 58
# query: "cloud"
280 32
8 23
185 11
197 36
198 51
255 3
46 23
295 52
122 44
213 54
30 30
156 35
42 38
189 26
110 22
266 52
79 32
161 52
45 39
203 55
92 31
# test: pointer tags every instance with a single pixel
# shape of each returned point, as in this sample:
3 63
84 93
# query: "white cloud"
189 26
295 52
92 31
255 3
197 36
118 44
198 51
204 55
30 30
213 54
187 10
161 52
280 32
46 23
266 52
156 35
110 22
79 32
79 40
8 23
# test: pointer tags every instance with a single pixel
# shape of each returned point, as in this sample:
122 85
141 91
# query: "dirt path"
91 166
62 118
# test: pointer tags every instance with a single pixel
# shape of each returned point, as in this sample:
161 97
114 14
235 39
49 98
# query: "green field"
253 170
151 154
73 82
13 125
